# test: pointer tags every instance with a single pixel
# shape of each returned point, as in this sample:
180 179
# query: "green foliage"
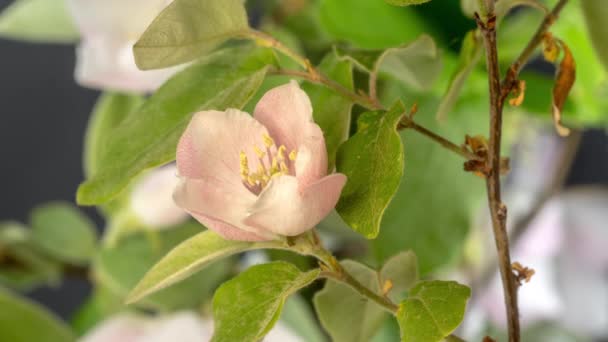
247 307
40 21
470 53
64 232
406 2
373 161
186 29
431 211
120 268
28 266
24 321
432 310
331 111
370 24
109 111
402 272
596 12
148 137
344 313
187 258
299 317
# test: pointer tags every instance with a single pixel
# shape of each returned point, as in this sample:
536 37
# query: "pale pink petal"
120 328
227 231
311 160
106 62
286 112
211 145
285 210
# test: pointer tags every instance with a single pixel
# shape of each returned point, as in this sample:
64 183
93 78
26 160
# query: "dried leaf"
519 94
564 80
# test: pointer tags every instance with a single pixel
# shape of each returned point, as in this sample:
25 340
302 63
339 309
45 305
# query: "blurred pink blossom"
256 178
109 29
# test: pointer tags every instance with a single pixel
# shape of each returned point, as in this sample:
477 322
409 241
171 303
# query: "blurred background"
45 113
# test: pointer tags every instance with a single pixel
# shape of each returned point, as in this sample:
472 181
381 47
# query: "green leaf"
596 12
433 310
373 161
432 210
109 111
64 232
247 307
186 259
40 21
353 21
186 29
402 271
29 266
332 111
299 317
344 313
119 269
470 53
148 137
24 321
406 2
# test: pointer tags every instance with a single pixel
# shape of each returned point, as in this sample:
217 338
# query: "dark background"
44 115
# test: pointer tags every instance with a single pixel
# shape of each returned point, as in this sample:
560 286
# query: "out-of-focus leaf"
432 209
187 258
344 313
353 21
596 12
101 304
64 232
332 112
401 271
297 314
148 137
372 160
470 53
119 269
186 29
246 307
432 311
40 21
24 321
406 2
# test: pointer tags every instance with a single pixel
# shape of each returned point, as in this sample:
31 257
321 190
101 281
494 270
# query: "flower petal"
283 209
286 112
311 160
226 230
211 145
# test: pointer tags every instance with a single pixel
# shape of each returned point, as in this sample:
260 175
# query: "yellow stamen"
281 152
292 155
268 141
259 152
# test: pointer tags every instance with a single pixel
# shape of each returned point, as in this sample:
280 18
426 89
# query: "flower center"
271 162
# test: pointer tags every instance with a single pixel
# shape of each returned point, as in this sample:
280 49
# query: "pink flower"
254 179
109 29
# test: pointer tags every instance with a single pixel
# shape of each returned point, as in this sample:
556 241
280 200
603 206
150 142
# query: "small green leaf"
120 268
470 53
344 313
432 311
64 232
332 111
402 271
22 320
406 2
299 317
108 113
373 161
186 259
247 307
596 12
40 21
148 136
353 21
186 29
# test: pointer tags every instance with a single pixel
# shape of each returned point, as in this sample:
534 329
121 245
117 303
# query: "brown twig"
498 94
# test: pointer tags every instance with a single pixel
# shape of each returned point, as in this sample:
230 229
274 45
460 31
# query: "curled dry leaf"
519 93
564 80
